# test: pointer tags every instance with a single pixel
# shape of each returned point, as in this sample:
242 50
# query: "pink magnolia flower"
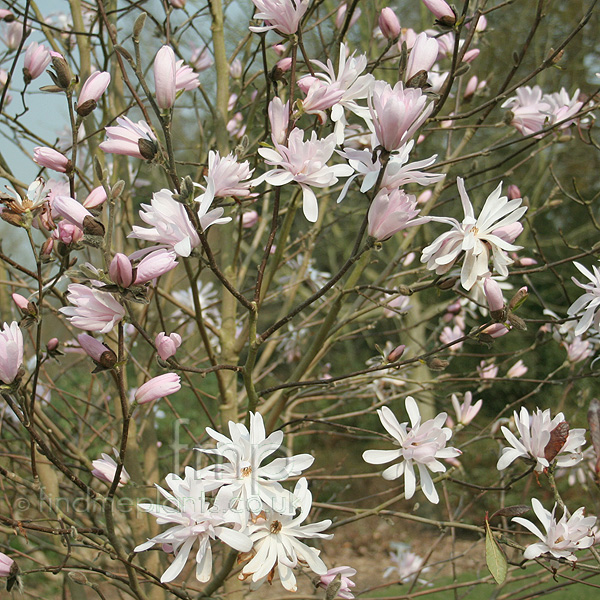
170 224
517 370
589 302
346 584
389 24
536 432
562 537
450 335
422 55
67 233
130 139
392 211
423 444
94 87
158 387
530 110
475 237
177 3
406 564
465 413
105 468
51 159
340 16
166 345
13 34
562 107
578 350
7 565
225 177
487 370
185 77
165 77
249 219
201 59
305 163
37 59
154 265
11 352
493 295
278 118
397 113
94 310
319 97
282 15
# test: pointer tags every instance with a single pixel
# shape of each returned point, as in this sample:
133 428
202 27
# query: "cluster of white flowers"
242 503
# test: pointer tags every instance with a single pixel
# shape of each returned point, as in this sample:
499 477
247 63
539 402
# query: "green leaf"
494 556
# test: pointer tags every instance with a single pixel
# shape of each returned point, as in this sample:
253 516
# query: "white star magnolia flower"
397 173
306 164
422 444
562 537
353 85
194 520
589 302
249 485
171 226
536 434
475 237
276 543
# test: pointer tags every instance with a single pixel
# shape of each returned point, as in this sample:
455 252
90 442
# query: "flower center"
275 527
246 471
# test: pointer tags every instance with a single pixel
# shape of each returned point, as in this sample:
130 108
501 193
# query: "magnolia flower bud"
389 24
95 198
154 265
51 159
63 74
495 300
158 387
120 270
422 56
91 91
442 11
164 77
102 355
396 353
513 192
52 344
166 345
37 59
249 219
105 468
518 299
471 87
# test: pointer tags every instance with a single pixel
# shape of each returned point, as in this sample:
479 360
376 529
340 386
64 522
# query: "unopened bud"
84 109
92 227
437 364
117 189
47 247
448 283
516 322
518 299
147 148
108 359
62 71
513 192
78 577
139 25
396 353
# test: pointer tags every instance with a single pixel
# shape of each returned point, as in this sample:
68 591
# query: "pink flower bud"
97 351
91 91
340 17
67 233
441 11
164 77
177 3
235 68
481 24
496 330
37 59
11 352
471 55
51 159
513 192
166 345
6 15
249 219
52 344
424 197
517 370
71 210
285 64
105 468
525 262
47 247
389 24
120 270
396 353
422 55
493 295
7 565
278 117
471 87
95 198
158 387
154 265
21 302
